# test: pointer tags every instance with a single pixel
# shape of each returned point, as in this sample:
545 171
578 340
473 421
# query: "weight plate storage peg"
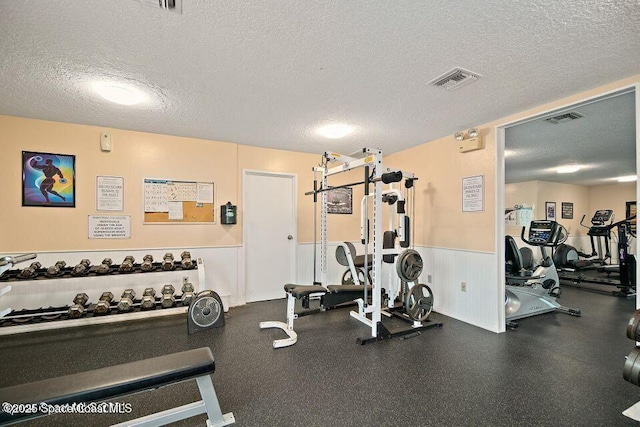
418 302
205 312
409 265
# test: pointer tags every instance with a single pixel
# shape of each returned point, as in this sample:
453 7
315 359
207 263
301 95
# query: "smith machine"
403 298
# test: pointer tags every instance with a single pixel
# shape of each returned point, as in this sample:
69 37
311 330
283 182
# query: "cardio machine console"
601 216
542 233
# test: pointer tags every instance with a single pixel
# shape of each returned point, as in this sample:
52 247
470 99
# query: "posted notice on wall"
109 226
473 193
109 193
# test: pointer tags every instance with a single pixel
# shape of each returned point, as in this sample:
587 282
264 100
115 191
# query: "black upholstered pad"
289 286
347 288
107 383
301 291
359 261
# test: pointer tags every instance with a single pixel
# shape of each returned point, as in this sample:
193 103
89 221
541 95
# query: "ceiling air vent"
170 5
565 117
455 79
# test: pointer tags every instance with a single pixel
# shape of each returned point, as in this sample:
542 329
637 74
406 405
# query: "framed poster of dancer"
48 179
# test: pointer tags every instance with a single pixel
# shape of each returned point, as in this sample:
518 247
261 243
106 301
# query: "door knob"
290 237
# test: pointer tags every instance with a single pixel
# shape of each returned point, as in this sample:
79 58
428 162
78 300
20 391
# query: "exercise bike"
534 291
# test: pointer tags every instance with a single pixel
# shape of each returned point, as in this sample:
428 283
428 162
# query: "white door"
269 224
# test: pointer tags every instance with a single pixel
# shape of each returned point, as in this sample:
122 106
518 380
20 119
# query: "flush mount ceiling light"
568 169
119 93
629 178
335 130
508 153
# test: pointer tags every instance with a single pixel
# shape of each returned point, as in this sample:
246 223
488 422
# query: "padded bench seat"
336 289
111 382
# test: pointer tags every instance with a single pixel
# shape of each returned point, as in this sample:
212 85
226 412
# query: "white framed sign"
473 193
109 193
109 226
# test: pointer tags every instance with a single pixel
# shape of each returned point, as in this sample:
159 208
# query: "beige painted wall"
521 193
440 169
612 196
558 193
135 156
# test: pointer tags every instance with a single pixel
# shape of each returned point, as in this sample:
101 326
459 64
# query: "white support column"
323 230
377 246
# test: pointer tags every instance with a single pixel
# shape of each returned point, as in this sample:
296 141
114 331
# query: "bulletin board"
178 202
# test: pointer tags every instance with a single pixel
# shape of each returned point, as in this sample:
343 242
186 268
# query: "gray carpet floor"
554 370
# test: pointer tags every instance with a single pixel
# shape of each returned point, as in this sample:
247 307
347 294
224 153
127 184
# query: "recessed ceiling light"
335 130
568 169
119 93
628 178
509 153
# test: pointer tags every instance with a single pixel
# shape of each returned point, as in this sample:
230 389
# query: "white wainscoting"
220 267
480 304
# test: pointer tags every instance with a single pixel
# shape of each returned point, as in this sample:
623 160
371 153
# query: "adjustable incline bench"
117 381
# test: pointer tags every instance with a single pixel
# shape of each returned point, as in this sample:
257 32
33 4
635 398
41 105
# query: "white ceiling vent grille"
565 117
170 5
455 79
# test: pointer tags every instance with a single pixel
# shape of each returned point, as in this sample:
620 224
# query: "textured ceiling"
266 73
603 142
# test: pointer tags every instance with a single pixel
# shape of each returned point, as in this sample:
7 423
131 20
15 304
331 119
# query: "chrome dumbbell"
56 269
77 309
168 300
31 271
103 306
105 267
127 264
147 263
187 262
148 299
126 301
167 261
187 292
81 268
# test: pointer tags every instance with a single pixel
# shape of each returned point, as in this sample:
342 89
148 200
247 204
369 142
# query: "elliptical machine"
530 292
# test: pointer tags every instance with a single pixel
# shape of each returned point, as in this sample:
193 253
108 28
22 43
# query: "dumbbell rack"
9 327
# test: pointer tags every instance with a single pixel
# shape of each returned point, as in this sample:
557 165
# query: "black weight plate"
409 265
632 367
632 327
419 302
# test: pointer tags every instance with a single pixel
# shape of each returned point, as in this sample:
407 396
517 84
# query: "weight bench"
116 381
330 297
